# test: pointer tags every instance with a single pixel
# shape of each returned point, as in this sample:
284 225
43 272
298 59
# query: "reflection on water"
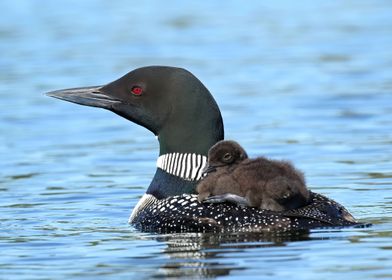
309 82
210 255
215 254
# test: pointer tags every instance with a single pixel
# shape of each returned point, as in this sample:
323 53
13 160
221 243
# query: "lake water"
305 81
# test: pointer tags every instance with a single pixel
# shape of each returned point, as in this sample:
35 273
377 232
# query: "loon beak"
208 169
88 96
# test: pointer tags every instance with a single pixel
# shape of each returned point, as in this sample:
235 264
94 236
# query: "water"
305 81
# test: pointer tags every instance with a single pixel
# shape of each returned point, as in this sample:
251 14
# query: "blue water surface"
308 81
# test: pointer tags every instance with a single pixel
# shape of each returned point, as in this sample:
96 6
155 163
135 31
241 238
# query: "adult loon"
259 182
174 105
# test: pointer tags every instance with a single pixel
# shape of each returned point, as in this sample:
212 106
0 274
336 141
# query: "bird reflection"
211 254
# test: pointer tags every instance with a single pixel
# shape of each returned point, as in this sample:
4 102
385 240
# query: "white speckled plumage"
184 213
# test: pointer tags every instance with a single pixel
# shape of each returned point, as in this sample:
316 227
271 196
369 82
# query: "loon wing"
184 213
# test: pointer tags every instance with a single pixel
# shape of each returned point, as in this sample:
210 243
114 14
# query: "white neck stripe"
187 166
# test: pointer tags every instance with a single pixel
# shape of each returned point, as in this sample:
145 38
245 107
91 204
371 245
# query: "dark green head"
170 102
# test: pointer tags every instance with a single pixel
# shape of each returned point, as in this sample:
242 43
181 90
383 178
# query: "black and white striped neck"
177 174
187 166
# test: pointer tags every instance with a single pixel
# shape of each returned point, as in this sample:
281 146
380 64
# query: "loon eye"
227 157
136 90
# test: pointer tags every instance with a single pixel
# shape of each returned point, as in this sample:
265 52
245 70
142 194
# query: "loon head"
170 102
224 153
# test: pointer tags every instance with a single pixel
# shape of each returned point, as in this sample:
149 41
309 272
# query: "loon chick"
174 105
263 183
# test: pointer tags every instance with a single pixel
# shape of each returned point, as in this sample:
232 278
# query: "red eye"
136 90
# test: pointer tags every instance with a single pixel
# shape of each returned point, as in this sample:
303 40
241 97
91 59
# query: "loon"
260 182
174 105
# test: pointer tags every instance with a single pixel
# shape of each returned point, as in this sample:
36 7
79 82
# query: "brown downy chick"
260 182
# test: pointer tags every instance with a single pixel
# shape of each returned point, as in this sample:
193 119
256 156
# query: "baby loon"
175 106
266 184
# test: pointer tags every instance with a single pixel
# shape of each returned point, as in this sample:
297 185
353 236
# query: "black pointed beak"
208 169
88 96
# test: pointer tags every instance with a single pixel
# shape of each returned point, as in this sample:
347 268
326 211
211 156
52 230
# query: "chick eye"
227 157
136 90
